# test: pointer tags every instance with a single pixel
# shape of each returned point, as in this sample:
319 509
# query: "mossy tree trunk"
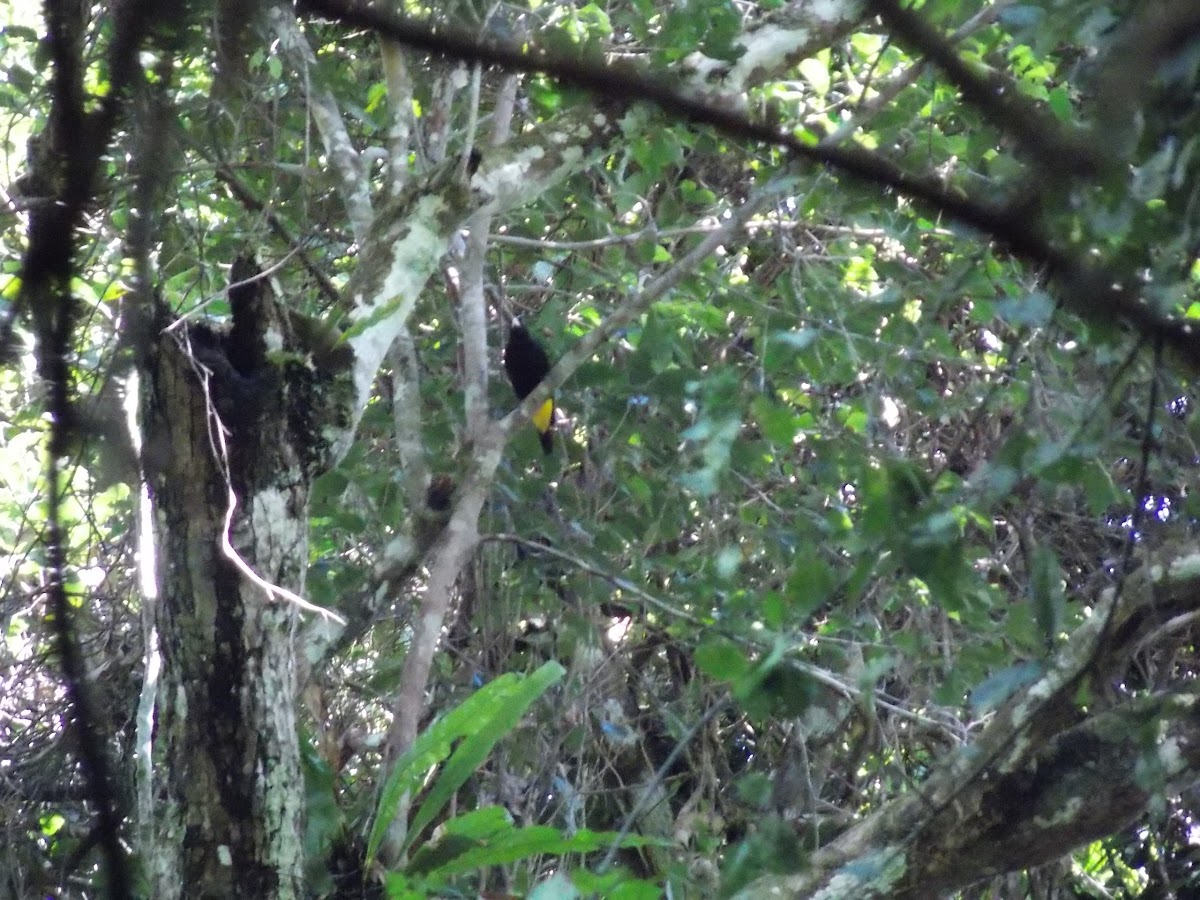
228 806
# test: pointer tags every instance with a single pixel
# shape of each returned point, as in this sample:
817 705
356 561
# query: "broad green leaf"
1046 592
816 73
989 694
809 585
777 422
513 844
494 709
493 722
721 659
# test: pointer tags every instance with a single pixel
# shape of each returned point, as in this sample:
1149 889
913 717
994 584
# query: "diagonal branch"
454 548
1054 148
352 180
1095 291
1044 777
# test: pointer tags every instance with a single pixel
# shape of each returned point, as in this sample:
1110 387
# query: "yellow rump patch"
543 416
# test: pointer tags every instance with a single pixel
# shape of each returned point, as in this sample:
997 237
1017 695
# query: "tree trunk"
228 805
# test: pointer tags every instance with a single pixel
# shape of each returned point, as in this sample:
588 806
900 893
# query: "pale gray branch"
347 164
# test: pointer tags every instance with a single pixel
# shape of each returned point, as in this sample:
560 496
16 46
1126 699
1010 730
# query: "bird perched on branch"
527 364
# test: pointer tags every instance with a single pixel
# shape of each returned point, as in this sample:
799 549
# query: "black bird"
527 364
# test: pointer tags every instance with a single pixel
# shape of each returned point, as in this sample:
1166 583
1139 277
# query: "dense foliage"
860 476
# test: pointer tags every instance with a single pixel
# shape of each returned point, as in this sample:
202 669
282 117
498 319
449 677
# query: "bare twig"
650 791
622 584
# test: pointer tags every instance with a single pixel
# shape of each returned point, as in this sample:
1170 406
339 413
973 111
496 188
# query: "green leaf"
777 422
1098 486
495 720
514 844
773 610
483 718
480 824
655 348
816 73
990 693
639 489
1047 592
1059 99
777 690
327 490
809 585
615 884
721 659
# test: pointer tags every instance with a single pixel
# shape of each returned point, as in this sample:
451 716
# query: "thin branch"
247 198
622 584
771 223
650 791
343 157
460 537
868 108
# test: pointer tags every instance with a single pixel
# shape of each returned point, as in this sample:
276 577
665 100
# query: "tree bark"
1050 773
228 812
